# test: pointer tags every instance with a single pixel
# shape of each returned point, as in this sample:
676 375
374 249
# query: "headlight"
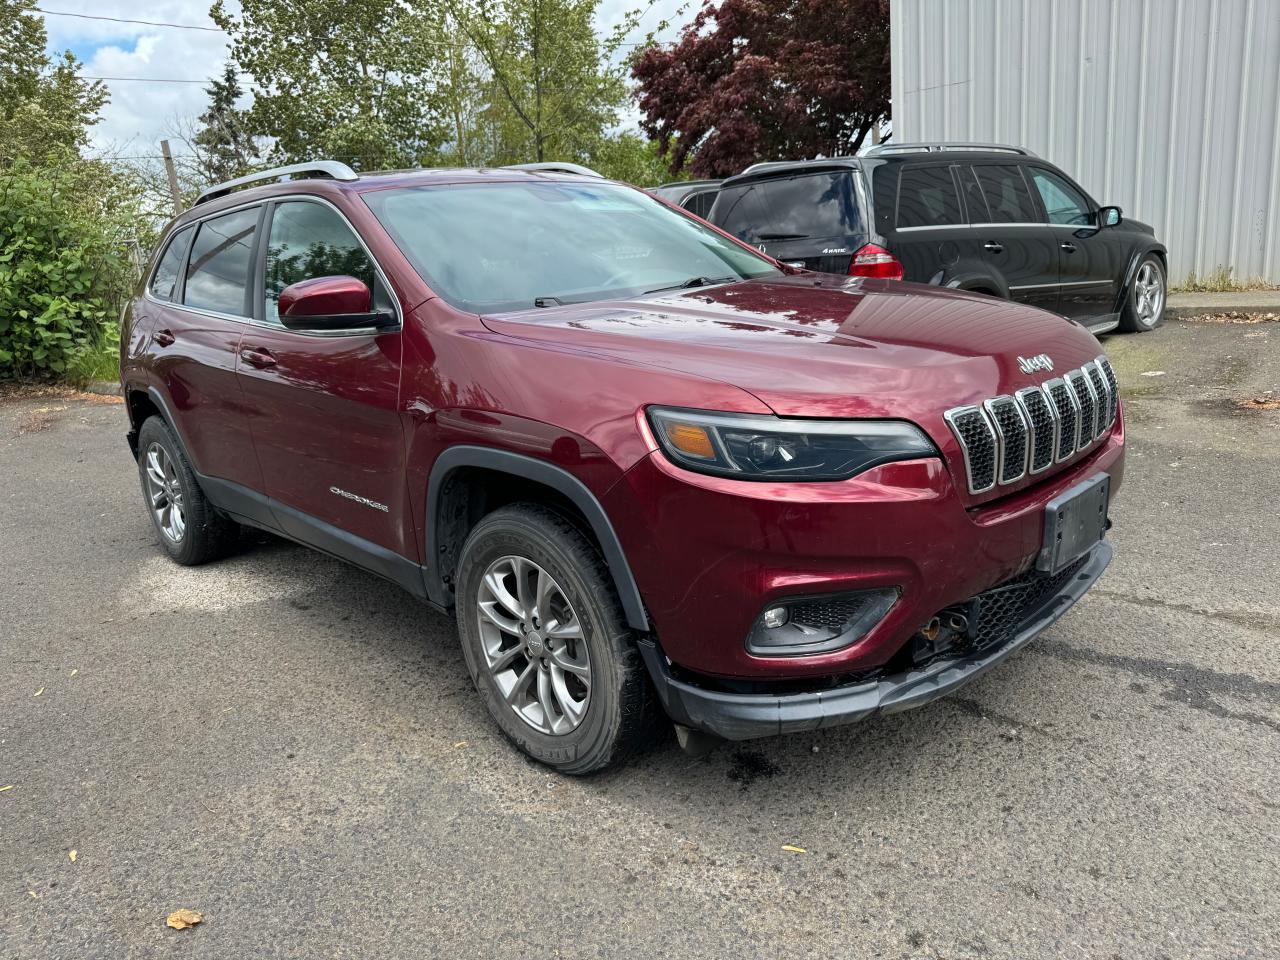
754 447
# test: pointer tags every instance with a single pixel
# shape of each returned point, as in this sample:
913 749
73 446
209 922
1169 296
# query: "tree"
224 148
631 159
753 80
545 77
46 109
353 81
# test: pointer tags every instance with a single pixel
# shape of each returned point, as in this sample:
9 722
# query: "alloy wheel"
164 493
1148 294
534 645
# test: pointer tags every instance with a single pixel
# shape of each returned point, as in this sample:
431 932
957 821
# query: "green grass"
98 362
1221 281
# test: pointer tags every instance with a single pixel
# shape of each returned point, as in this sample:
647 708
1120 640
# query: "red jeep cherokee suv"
644 463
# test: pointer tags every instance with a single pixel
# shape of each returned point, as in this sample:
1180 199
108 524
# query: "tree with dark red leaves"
753 80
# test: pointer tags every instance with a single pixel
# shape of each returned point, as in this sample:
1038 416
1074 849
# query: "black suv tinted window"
792 208
699 204
1008 199
927 197
309 240
165 278
219 270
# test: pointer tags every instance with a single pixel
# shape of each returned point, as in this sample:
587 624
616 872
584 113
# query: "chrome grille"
1007 437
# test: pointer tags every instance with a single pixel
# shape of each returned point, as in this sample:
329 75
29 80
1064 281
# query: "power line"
148 23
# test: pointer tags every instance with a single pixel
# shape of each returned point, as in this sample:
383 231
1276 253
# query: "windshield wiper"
782 236
693 282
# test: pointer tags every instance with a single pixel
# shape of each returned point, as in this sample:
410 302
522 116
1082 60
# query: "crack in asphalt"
1240 618
1190 685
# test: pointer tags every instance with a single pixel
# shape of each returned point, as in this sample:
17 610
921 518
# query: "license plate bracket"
1074 521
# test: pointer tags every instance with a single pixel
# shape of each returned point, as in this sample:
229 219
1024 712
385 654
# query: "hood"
818 346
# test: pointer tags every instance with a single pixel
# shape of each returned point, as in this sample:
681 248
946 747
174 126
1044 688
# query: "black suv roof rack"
331 169
888 149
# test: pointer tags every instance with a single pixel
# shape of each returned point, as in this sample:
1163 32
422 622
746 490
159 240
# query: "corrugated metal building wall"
1168 108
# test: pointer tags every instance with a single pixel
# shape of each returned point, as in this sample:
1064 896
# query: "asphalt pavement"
292 747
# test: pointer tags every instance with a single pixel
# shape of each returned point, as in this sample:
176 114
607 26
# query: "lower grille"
1003 609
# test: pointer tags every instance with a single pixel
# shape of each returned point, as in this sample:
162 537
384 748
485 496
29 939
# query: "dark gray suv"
988 218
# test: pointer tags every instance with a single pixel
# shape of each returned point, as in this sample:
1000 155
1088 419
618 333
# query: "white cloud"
140 112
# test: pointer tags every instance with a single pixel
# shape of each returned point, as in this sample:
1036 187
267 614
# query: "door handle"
993 246
164 337
1069 247
257 357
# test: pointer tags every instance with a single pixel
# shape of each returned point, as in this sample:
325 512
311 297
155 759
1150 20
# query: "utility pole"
172 171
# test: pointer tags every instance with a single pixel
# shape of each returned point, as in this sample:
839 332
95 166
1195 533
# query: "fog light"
817 624
775 617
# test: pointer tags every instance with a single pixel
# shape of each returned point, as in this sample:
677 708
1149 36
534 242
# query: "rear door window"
165 280
1005 189
927 197
220 268
814 205
975 203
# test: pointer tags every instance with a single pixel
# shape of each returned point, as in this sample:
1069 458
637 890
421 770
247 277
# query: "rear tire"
547 644
190 529
1145 300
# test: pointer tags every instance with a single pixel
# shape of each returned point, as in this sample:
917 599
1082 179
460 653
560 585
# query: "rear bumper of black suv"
745 716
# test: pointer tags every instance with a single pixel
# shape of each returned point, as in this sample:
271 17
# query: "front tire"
547 644
190 529
1144 303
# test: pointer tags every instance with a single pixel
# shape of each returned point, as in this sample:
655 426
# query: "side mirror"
330 303
1108 216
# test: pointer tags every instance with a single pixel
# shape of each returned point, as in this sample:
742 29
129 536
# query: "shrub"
62 273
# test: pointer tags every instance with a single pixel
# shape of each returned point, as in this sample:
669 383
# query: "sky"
141 112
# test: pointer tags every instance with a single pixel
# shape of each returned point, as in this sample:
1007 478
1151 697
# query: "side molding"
547 474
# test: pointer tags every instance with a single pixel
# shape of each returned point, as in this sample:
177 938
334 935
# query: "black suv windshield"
493 247
816 205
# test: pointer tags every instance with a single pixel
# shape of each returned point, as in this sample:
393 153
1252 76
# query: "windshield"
817 205
493 247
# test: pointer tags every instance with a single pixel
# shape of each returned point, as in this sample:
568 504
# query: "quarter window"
927 197
1008 199
1062 201
310 240
219 270
699 204
165 279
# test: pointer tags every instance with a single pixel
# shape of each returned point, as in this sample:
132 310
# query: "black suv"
696 196
983 217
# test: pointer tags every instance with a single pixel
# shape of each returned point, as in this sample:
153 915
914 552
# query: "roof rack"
331 169
556 166
886 149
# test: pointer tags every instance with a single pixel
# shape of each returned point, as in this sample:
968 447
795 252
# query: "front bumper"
738 716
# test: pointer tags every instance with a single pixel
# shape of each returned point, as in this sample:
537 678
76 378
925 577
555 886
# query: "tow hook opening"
949 628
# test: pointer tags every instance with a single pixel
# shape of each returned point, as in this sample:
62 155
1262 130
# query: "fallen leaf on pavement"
73 673
9 787
1152 373
183 918
72 855
38 692
460 743
790 849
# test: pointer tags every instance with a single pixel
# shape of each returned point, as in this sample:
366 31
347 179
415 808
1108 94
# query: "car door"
324 407
1017 245
200 305
1089 258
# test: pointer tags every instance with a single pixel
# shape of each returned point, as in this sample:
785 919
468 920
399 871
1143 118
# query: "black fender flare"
166 414
1131 271
550 475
